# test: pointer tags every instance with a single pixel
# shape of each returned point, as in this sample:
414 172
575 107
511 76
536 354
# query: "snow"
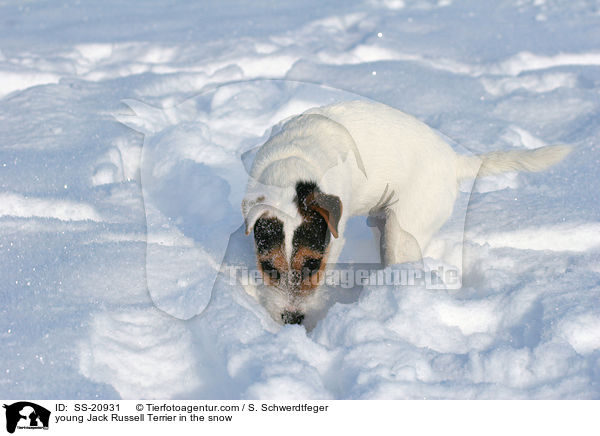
19 206
126 132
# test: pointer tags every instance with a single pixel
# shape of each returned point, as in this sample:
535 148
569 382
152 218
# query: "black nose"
292 317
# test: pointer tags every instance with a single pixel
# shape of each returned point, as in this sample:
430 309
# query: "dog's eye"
310 266
270 270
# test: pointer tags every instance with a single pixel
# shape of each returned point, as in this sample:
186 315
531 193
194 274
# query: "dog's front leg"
395 244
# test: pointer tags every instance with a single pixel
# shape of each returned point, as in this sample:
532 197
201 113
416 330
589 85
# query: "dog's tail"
498 162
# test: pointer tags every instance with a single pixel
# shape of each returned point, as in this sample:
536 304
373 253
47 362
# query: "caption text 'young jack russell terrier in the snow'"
354 158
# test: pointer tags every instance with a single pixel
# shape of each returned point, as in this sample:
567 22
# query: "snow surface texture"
94 215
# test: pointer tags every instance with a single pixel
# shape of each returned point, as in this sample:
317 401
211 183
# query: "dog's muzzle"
292 317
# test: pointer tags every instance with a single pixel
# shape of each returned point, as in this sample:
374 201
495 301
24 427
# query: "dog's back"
396 149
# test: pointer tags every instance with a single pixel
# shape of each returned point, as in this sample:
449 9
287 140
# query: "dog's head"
292 249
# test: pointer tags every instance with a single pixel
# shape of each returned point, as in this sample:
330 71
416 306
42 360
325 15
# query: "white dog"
354 158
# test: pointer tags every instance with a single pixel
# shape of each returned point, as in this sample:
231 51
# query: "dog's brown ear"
329 207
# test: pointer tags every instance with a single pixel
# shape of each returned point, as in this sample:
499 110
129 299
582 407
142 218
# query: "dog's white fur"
363 152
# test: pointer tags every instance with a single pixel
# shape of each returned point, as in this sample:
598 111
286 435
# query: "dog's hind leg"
395 244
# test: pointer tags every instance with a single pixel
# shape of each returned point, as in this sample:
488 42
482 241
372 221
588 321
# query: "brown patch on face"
309 266
273 265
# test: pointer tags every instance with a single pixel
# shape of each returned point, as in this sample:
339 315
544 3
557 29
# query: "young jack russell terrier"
354 158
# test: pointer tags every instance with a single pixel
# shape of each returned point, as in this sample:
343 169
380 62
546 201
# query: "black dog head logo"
32 414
